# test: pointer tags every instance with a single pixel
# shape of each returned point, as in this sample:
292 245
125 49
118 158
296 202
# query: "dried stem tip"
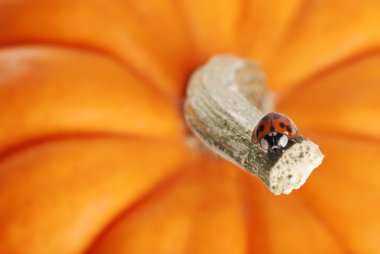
225 100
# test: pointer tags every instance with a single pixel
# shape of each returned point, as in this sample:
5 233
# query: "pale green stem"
225 100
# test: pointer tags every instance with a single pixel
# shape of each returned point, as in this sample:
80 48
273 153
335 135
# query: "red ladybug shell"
274 122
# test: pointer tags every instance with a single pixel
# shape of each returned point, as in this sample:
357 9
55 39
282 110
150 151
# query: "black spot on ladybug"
276 116
257 132
262 127
272 128
265 118
288 128
282 125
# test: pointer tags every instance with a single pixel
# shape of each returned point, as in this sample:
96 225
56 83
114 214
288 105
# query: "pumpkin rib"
118 28
339 147
270 25
347 187
343 245
242 16
192 62
357 136
343 242
267 206
59 137
188 222
69 188
280 211
47 91
314 41
256 232
299 15
303 51
210 25
327 70
90 49
255 211
164 183
350 89
86 48
220 201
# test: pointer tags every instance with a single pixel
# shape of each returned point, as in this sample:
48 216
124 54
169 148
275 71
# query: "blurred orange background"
93 154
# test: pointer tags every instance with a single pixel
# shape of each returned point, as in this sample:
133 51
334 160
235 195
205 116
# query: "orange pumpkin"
93 154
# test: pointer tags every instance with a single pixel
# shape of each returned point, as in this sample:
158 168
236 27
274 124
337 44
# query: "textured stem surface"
225 100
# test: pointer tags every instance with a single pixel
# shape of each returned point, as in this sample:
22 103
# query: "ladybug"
274 131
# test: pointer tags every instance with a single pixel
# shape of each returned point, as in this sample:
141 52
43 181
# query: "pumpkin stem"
225 100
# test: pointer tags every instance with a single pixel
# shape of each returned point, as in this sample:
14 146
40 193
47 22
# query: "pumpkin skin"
93 147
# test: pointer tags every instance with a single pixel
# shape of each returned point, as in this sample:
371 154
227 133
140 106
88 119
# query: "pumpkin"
94 154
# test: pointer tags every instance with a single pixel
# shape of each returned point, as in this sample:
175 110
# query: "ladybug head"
274 141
